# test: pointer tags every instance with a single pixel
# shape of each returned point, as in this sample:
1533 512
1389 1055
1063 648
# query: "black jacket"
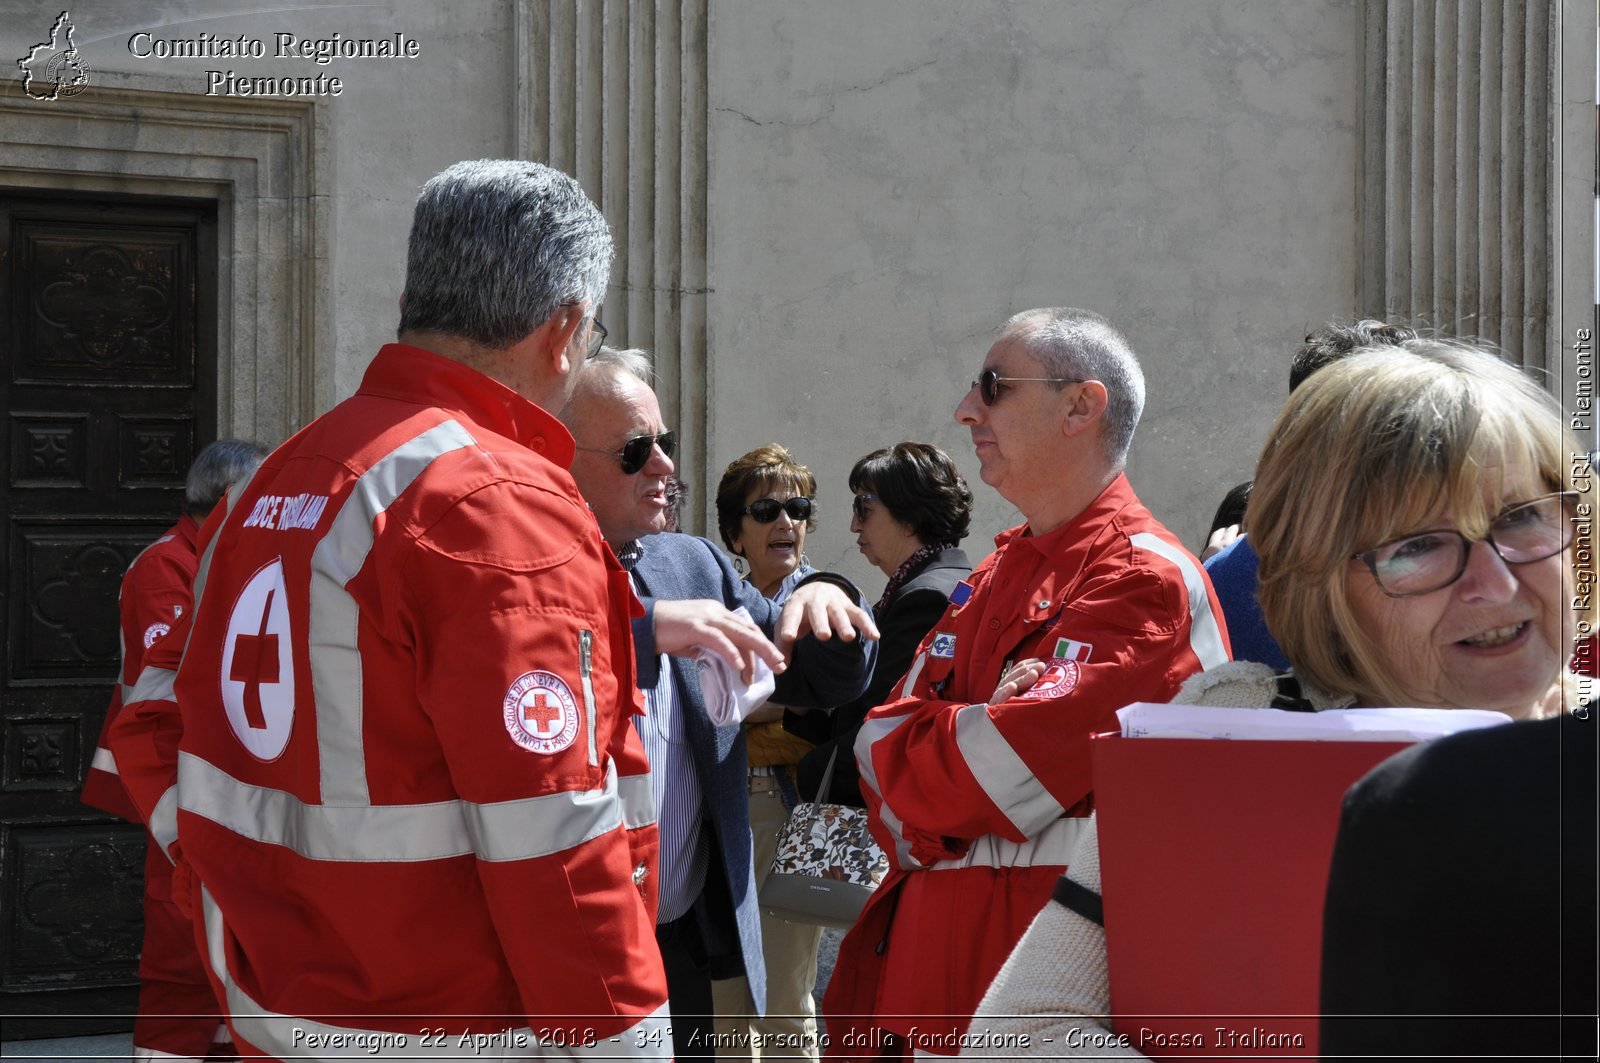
1460 918
910 615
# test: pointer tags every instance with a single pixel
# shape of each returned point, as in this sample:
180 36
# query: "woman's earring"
738 563
805 562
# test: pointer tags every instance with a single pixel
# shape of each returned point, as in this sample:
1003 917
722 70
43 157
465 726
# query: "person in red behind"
417 816
178 1012
977 775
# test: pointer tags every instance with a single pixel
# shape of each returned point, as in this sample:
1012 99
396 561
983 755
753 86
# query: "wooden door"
107 391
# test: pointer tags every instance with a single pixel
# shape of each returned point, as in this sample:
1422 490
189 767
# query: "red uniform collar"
187 529
1117 496
416 375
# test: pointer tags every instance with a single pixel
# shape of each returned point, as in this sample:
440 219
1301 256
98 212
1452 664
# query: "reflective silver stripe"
1004 776
638 804
123 689
335 661
104 760
294 1037
873 731
912 676
155 684
540 826
231 498
1052 847
1205 637
164 820
503 830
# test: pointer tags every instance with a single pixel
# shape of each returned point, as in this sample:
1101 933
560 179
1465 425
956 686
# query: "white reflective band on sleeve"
164 820
872 731
231 496
294 1037
910 681
1205 638
104 761
1052 847
1009 782
638 805
155 684
504 830
335 661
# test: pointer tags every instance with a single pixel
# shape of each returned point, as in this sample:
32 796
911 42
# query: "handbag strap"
827 777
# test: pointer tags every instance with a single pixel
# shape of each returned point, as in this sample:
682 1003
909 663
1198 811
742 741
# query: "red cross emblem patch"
1060 678
540 713
258 665
155 632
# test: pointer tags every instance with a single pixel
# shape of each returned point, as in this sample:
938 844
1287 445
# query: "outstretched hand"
823 609
684 627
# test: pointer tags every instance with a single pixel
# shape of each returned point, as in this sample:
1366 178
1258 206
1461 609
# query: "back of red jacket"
406 779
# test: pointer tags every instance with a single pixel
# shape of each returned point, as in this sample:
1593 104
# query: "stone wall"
824 208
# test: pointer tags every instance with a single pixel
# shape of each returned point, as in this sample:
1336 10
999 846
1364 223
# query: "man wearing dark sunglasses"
410 782
708 919
980 770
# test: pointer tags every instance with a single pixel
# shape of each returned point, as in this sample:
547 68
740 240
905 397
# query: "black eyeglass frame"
799 509
597 332
634 454
1568 500
858 504
989 381
597 337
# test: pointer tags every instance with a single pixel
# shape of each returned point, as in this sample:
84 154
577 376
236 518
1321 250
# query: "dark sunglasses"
989 381
765 510
636 452
858 505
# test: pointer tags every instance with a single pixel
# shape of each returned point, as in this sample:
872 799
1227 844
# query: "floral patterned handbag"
826 866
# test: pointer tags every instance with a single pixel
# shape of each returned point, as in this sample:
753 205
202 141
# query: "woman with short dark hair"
911 508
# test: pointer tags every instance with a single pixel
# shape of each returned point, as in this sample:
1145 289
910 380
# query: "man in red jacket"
977 776
178 1012
417 816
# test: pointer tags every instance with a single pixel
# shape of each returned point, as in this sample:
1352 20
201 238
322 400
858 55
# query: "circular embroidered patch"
257 674
540 713
153 632
1059 679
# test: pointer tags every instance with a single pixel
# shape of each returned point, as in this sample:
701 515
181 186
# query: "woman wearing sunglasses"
911 509
764 510
1413 511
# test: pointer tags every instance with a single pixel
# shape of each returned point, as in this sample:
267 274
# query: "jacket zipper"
585 668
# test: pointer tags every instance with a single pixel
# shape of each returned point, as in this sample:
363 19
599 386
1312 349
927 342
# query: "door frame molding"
266 164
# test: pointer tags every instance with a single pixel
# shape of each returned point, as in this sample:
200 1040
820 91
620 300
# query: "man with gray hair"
977 775
416 814
178 1012
708 920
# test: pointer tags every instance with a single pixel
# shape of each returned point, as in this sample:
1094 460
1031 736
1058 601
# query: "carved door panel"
107 390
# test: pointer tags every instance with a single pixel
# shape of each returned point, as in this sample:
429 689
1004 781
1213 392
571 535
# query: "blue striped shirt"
678 799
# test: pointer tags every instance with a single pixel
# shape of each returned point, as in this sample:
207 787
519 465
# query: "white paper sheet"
1145 720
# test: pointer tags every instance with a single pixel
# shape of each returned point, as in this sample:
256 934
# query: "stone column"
614 93
1457 196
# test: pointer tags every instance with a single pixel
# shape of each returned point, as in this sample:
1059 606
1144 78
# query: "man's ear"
548 344
1086 408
